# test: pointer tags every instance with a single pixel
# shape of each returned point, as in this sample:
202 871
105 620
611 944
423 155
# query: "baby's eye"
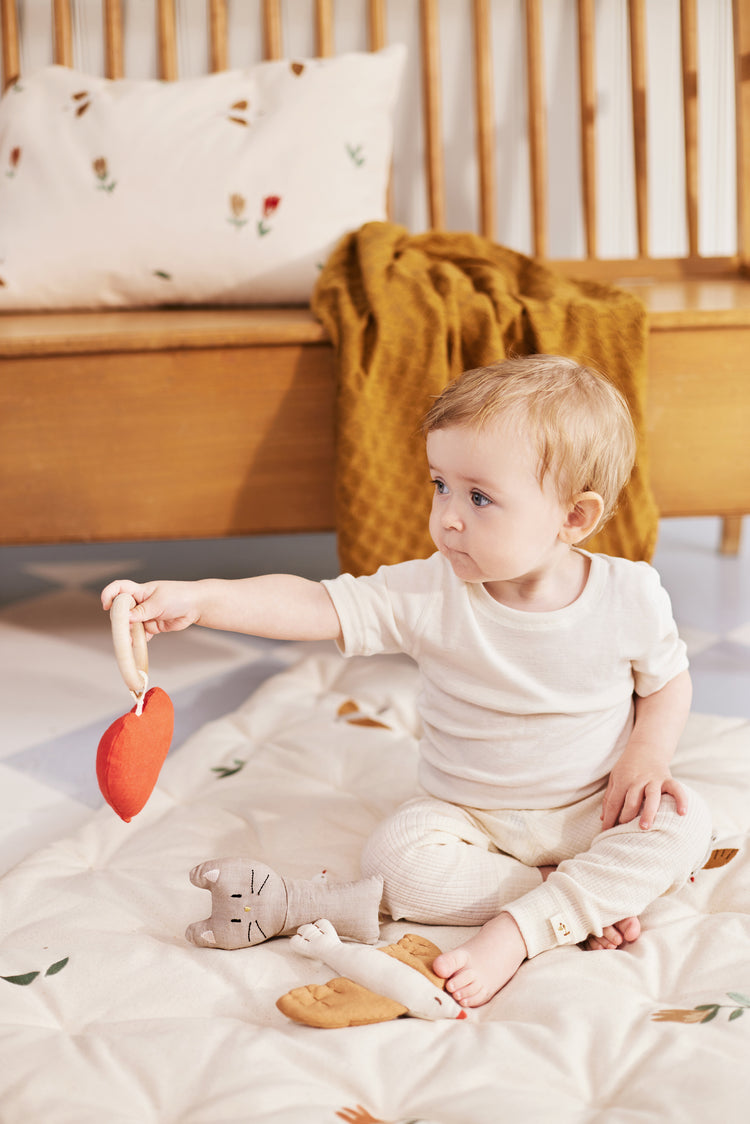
479 500
440 487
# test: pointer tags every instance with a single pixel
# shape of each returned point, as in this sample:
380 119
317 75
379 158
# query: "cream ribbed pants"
446 864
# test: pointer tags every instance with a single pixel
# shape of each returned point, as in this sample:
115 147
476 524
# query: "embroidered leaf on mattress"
26 978
704 1012
223 771
57 967
711 1009
23 980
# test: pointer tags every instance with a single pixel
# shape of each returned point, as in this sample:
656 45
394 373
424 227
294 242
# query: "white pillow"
228 189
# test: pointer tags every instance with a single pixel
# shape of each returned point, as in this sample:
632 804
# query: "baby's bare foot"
617 935
479 968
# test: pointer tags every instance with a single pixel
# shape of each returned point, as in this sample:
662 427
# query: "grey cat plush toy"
251 903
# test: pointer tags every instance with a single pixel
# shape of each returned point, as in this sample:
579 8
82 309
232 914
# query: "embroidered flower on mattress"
705 1012
101 171
13 162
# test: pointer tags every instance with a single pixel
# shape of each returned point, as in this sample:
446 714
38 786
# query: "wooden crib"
84 451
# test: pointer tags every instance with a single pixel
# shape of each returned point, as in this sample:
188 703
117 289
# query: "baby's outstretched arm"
642 775
280 606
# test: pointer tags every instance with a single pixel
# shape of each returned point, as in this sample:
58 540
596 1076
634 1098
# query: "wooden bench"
193 423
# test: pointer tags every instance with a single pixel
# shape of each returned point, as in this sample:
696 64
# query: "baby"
554 686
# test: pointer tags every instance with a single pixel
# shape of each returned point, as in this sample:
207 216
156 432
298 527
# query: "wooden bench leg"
731 534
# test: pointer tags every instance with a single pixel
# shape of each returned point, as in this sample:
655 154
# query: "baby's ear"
584 514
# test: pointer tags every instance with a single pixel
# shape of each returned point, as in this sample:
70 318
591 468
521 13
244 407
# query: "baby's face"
491 518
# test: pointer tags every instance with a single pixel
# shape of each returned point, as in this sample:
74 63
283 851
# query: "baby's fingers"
651 802
611 808
636 800
115 588
606 812
673 788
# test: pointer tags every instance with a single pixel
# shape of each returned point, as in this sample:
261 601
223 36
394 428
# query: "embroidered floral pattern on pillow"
270 204
273 213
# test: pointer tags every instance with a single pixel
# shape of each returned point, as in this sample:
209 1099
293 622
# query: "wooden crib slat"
272 45
114 65
587 96
377 37
324 28
537 128
637 21
217 35
376 24
689 58
485 115
741 21
63 33
11 46
430 40
166 30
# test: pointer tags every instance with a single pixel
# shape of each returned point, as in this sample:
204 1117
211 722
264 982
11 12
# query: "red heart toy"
133 749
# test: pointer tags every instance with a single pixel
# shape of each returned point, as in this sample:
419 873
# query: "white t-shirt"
519 709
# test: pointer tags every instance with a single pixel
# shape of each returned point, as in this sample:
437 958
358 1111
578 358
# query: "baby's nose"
452 518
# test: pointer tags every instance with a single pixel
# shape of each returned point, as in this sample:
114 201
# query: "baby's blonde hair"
579 420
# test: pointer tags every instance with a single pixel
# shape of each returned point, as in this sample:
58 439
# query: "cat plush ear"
204 876
200 935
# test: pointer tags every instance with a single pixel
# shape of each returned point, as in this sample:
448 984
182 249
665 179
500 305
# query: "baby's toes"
464 987
448 963
462 984
609 939
629 929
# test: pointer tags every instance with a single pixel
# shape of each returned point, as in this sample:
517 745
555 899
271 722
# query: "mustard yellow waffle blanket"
408 313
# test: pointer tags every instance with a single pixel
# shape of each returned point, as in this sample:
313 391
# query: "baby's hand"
160 606
637 787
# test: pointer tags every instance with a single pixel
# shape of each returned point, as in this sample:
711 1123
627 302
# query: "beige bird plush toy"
380 984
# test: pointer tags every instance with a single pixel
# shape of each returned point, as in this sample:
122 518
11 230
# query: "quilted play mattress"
108 1014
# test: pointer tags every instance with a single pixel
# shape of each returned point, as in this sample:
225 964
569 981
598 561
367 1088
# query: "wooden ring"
129 640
